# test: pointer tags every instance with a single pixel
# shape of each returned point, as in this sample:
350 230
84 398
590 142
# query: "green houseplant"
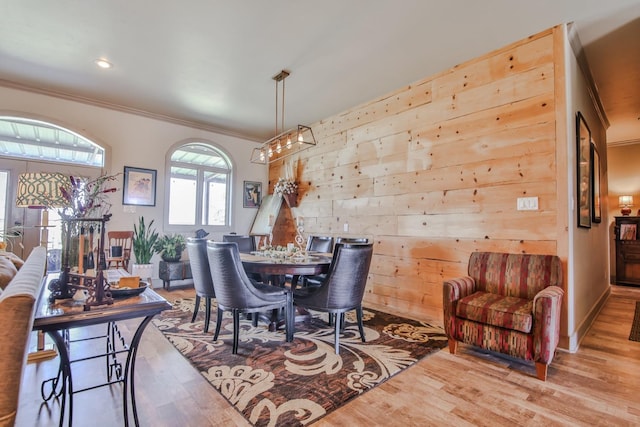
144 241
170 247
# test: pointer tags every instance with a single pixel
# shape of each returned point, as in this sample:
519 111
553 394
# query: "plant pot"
171 259
144 271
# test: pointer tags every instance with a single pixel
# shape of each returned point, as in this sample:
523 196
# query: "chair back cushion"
246 244
343 288
320 244
514 275
234 290
197 250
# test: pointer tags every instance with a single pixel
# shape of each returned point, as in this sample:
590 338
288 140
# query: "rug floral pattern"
272 382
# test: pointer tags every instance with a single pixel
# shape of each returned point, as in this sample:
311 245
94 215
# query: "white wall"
135 140
588 270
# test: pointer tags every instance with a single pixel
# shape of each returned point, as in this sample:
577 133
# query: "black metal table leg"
129 373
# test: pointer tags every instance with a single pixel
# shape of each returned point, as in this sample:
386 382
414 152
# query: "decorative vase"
291 199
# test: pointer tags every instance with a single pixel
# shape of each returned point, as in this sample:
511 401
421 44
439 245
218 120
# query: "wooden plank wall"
432 172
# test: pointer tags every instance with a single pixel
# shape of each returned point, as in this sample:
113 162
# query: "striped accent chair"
509 303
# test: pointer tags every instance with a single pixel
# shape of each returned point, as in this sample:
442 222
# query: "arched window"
25 139
199 187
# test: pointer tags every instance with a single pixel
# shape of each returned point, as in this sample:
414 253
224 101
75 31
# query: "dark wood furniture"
627 235
57 318
273 270
168 271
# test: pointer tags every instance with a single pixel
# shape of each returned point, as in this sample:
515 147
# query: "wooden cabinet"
627 231
169 271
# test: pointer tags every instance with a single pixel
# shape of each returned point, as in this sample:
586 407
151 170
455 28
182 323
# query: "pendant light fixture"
285 143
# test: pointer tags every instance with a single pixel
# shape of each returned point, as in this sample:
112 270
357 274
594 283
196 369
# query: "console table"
168 271
58 317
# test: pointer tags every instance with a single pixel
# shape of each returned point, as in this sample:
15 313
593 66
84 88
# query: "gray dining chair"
237 293
246 244
342 289
197 250
322 244
352 240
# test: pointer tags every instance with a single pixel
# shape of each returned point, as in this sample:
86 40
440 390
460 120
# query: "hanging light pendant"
281 145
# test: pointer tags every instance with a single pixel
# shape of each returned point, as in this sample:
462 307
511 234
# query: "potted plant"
144 242
170 247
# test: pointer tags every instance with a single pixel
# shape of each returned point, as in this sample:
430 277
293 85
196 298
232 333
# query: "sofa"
508 303
17 305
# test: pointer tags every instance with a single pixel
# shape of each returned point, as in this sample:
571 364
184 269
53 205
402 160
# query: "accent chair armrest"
452 291
546 323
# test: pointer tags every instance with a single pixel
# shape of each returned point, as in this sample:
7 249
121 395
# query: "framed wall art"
596 210
139 186
583 155
252 194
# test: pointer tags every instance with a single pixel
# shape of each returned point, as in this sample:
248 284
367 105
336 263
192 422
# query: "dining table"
273 267
56 317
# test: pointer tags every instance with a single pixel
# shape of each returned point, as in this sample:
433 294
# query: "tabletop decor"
87 197
268 381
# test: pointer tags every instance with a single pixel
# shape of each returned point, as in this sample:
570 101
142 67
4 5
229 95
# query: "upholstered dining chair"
352 240
120 241
322 244
342 289
237 293
246 244
197 250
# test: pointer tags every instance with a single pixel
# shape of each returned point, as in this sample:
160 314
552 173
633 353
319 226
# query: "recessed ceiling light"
103 63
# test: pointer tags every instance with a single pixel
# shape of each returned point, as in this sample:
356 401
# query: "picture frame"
628 231
596 202
584 177
251 194
139 188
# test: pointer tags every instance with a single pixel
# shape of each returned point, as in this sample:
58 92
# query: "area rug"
635 326
272 382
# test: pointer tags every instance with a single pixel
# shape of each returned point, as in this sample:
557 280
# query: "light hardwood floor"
598 385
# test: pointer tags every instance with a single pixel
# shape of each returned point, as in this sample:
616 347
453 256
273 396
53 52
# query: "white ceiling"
211 62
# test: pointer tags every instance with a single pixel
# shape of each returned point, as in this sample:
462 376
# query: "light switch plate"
346 227
527 204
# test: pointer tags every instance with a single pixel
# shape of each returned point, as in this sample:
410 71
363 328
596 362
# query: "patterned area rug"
635 326
272 382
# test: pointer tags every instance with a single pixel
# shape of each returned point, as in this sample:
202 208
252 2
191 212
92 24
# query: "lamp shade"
41 189
625 201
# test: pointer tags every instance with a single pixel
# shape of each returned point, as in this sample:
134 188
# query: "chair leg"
289 317
236 329
196 306
360 326
207 314
337 338
218 324
541 371
453 346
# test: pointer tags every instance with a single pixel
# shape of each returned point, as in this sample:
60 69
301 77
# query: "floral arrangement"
87 197
285 186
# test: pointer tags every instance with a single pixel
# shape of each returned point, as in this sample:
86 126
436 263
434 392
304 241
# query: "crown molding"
124 109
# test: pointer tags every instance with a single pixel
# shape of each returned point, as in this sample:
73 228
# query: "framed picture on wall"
139 187
596 212
583 155
252 194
